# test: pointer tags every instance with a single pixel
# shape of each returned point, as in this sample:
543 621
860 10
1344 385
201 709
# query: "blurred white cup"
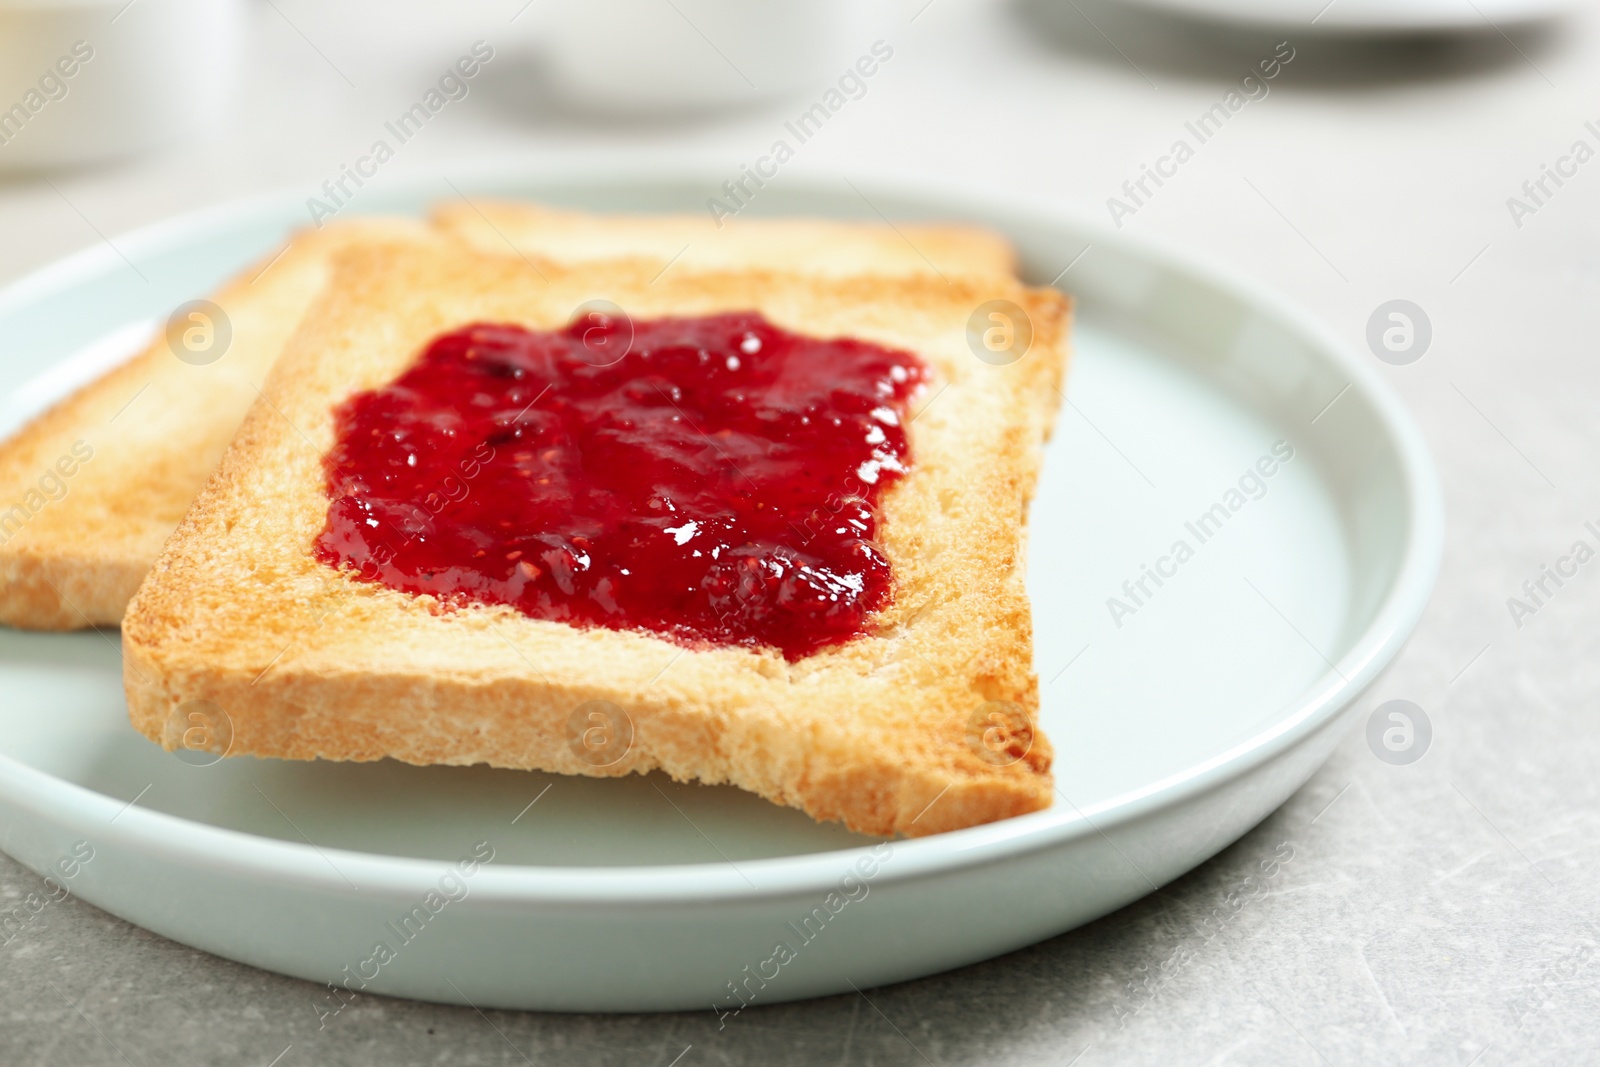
385 46
664 55
88 80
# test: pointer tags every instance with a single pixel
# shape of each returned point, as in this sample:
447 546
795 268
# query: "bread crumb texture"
914 729
91 489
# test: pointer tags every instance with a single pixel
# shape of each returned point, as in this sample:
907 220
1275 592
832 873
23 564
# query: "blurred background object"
619 57
111 77
1374 17
649 56
382 44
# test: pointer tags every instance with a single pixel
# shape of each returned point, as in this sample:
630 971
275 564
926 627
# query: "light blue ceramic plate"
1180 718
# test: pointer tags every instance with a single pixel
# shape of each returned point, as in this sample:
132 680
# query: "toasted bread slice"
77 561
886 732
122 458
825 247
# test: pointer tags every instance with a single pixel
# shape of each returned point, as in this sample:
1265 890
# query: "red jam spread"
711 480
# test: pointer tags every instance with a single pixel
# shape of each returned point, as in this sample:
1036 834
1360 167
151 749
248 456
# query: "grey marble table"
1437 913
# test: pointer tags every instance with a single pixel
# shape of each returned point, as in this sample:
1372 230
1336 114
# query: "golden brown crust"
76 561
877 732
828 248
152 430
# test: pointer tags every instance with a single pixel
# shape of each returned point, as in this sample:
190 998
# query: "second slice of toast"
828 248
141 440
922 725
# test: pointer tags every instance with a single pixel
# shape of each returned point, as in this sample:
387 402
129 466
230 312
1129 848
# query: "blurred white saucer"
1367 16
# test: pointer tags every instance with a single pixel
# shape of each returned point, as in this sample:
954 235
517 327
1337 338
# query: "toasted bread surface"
882 732
823 247
140 441
75 561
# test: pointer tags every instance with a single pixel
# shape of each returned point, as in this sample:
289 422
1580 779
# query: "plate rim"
197 844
